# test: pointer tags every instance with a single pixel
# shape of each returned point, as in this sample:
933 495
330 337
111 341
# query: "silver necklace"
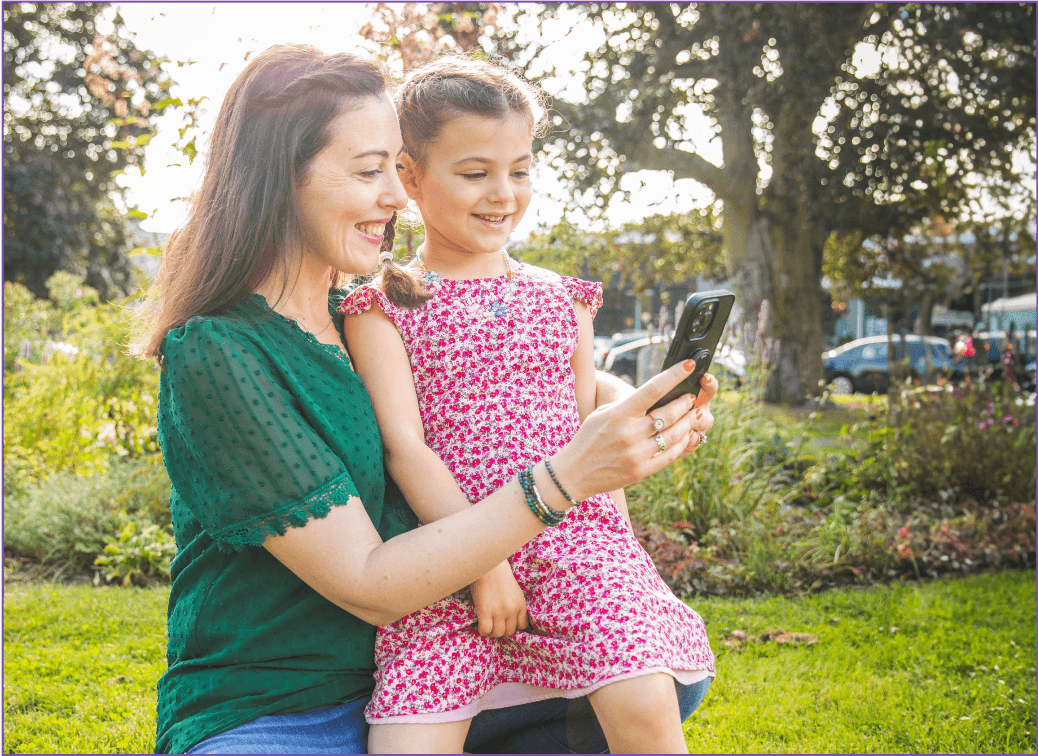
499 308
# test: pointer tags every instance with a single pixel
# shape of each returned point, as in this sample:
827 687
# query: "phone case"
696 337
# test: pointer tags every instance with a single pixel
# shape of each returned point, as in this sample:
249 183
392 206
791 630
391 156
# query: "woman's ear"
410 176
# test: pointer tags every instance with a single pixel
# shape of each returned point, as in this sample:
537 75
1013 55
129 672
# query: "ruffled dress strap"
588 292
360 300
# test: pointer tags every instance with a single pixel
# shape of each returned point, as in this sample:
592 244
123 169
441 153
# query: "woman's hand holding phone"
616 445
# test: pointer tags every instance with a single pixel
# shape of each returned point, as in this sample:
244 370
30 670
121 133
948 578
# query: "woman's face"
351 189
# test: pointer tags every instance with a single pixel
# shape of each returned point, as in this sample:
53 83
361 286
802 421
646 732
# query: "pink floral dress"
491 364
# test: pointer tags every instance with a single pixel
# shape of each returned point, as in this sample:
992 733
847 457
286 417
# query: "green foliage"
725 481
73 398
942 481
80 667
137 554
65 521
80 103
657 251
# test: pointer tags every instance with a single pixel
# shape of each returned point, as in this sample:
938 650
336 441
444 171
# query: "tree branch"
682 164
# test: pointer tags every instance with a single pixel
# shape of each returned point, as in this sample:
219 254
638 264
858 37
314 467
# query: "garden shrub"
73 398
66 520
139 553
976 440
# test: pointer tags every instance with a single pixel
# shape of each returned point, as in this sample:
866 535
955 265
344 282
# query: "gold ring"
660 442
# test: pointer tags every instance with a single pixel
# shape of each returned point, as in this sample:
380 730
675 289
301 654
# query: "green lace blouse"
262 428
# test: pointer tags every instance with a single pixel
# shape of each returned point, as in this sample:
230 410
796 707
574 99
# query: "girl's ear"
410 176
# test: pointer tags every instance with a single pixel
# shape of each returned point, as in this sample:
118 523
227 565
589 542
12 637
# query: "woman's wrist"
556 487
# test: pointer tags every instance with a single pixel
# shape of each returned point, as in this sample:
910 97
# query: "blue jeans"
555 725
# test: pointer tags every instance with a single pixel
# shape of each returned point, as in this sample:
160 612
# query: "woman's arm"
382 363
343 558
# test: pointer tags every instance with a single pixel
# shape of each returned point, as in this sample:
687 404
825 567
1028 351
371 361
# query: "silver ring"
702 438
660 442
657 423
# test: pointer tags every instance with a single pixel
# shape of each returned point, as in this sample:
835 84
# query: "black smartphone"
696 337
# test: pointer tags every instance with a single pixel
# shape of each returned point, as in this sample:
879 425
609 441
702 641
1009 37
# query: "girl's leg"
640 715
442 737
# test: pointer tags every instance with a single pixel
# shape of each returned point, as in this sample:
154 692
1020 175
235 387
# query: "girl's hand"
499 603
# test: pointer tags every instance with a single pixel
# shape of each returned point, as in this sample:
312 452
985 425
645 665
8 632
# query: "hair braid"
398 283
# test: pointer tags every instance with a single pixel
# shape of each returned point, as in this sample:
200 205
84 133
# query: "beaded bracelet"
542 511
555 480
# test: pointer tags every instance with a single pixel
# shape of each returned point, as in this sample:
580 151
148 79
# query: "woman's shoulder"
240 326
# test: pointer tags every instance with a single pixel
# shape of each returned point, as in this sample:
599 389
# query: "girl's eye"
400 167
521 174
474 176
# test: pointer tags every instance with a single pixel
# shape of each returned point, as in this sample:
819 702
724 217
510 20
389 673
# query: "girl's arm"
342 557
583 364
381 361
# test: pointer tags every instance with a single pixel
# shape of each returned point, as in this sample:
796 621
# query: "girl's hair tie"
384 257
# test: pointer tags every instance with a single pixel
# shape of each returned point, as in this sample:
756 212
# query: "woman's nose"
394 195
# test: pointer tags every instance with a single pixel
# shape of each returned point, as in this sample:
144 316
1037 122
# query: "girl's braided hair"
435 94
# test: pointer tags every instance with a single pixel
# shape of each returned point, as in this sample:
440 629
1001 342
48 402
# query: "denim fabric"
555 725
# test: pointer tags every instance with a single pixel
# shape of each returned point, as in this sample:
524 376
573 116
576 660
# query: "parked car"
604 343
862 366
638 360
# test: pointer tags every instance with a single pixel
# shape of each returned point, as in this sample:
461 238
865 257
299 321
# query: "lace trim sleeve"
315 506
588 292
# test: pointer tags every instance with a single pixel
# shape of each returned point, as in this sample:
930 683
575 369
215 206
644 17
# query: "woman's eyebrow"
377 153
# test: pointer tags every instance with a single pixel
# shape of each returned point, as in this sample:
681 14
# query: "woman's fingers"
707 390
651 392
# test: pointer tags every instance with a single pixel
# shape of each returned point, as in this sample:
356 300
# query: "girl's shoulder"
588 292
361 298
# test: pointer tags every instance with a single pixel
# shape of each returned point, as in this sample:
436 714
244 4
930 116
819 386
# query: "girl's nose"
500 190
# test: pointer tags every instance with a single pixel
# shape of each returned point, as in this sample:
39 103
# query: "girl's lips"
488 222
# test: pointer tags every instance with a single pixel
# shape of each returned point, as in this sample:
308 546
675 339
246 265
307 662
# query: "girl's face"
474 186
351 189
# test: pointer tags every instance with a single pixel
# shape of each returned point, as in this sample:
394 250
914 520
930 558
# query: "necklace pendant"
431 280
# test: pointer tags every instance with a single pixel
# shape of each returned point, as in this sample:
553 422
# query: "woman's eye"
371 174
474 176
521 174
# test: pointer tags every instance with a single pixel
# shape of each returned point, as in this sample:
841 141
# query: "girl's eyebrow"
477 159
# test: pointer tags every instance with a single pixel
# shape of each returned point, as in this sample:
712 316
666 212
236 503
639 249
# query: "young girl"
477 375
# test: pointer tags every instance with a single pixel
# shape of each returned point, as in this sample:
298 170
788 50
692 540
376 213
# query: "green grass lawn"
917 668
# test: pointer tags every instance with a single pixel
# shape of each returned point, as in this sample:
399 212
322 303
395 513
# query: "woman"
287 555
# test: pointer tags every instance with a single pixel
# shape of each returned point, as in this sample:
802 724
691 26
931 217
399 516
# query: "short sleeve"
238 450
588 292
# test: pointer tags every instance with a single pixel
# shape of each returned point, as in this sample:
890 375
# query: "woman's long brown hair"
244 223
